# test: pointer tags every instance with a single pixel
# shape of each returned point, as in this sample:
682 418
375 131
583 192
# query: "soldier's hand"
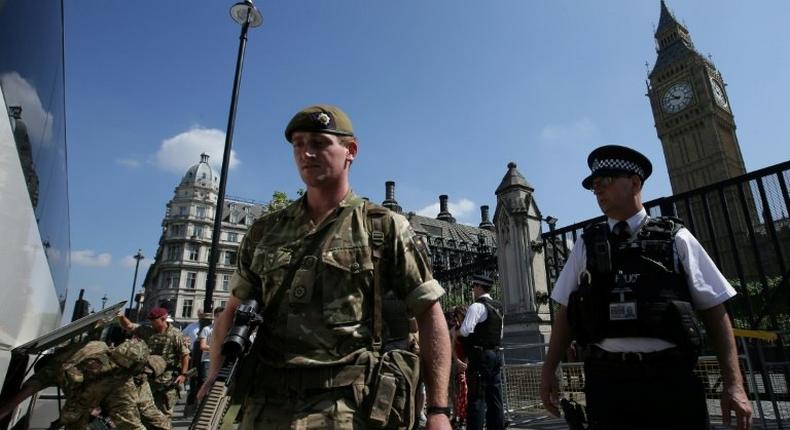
437 422
206 387
550 391
734 398
180 379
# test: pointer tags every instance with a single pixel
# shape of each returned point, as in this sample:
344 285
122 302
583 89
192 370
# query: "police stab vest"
488 333
632 288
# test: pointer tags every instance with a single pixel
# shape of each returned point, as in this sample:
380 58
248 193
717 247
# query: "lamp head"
240 11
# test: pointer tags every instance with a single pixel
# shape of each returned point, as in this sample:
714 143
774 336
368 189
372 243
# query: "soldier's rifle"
214 406
190 373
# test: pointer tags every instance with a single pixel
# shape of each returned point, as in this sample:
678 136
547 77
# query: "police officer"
312 267
628 294
481 335
164 340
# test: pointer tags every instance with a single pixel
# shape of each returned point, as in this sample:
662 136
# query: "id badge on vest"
623 309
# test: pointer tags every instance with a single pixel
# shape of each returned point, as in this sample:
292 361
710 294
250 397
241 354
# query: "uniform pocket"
346 277
394 382
270 264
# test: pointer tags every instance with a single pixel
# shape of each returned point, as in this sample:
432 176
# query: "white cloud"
19 92
90 258
128 162
180 152
579 131
130 262
460 209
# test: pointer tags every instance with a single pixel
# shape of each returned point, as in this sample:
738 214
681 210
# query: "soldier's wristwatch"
433 410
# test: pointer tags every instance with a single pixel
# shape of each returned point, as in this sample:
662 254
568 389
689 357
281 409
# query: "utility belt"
665 356
299 379
487 348
475 353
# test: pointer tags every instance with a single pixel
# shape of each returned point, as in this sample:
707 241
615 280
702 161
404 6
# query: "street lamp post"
139 256
104 300
245 14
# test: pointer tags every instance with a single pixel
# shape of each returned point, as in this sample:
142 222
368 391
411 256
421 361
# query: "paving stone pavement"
517 421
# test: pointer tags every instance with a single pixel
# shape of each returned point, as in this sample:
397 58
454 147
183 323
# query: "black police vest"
488 333
631 288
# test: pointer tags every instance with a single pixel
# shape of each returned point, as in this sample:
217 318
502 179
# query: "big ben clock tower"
692 113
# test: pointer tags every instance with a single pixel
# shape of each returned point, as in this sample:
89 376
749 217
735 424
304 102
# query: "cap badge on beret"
320 119
323 118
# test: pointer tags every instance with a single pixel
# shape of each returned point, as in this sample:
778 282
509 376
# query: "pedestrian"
628 295
166 341
204 340
319 268
459 364
481 334
191 332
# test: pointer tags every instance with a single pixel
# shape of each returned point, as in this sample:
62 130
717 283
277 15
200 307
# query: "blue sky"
443 94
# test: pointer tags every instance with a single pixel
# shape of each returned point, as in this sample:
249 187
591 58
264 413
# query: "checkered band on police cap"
613 160
616 164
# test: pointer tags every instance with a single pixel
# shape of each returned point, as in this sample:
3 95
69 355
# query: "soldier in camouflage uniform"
88 372
310 267
132 406
167 342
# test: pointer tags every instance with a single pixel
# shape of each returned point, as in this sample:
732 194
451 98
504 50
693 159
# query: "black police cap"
483 281
613 160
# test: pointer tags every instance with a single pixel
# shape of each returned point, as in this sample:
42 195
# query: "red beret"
157 313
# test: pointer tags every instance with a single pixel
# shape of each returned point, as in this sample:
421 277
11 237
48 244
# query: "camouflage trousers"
80 401
166 400
132 407
335 408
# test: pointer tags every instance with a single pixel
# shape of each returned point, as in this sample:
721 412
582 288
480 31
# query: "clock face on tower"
718 93
677 97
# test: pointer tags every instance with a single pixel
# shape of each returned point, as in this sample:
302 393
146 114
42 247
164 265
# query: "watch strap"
433 410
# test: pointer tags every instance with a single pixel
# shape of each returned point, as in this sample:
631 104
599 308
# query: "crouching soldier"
132 406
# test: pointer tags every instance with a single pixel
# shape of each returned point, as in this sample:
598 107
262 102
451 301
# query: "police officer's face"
321 158
616 194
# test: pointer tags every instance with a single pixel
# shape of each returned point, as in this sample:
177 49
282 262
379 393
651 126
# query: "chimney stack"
389 201
485 223
444 214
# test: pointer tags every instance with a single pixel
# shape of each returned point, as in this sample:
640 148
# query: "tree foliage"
770 304
280 200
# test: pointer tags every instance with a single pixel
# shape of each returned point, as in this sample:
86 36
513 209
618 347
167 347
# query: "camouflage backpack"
156 365
132 354
90 360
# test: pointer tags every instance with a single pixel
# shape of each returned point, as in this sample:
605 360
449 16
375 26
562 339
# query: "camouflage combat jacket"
324 316
168 344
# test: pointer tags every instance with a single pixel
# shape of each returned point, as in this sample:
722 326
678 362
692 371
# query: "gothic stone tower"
522 268
692 113
695 124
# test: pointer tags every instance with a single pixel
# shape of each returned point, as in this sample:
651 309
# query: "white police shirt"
707 285
476 313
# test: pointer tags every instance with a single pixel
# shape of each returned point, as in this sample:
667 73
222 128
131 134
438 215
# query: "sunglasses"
604 181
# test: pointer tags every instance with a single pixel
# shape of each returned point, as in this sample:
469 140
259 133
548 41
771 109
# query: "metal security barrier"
521 386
